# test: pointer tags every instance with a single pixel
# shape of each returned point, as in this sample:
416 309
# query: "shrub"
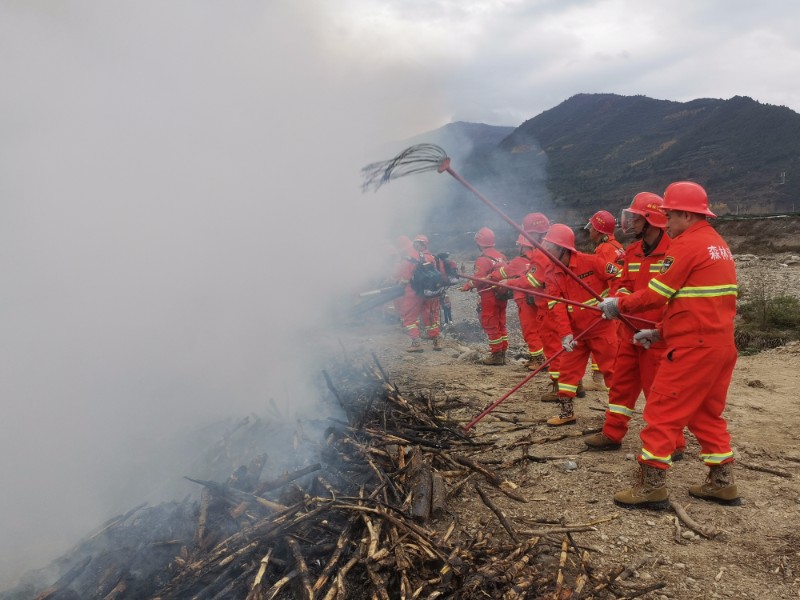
767 321
771 312
783 312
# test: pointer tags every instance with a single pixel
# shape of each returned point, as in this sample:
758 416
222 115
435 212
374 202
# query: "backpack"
426 280
448 268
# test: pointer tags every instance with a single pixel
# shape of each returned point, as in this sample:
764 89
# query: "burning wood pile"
369 520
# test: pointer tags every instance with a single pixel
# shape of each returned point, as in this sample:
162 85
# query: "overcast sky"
504 61
179 192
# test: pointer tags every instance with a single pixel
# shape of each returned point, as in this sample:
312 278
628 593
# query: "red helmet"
421 238
647 205
688 196
484 237
603 221
535 223
561 235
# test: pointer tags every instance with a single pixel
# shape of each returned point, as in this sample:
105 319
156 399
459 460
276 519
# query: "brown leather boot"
552 395
495 358
650 490
719 486
598 382
600 441
536 361
580 392
415 346
566 415
437 343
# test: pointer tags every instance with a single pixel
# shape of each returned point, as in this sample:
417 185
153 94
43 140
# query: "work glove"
568 343
646 337
609 308
465 288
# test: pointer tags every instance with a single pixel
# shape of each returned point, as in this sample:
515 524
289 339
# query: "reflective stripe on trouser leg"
430 316
573 364
411 306
623 394
551 341
493 321
529 325
689 389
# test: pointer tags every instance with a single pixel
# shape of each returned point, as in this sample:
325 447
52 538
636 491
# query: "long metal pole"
548 297
445 167
546 363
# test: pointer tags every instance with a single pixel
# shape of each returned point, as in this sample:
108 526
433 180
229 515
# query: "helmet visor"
627 218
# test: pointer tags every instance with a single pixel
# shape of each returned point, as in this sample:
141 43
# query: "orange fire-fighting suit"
493 309
697 282
515 272
536 278
634 367
601 340
413 308
612 252
610 249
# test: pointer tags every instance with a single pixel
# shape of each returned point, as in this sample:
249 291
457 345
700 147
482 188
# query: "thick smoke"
179 185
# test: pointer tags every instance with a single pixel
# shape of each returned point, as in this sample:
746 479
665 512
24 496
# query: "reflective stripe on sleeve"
533 281
660 288
708 291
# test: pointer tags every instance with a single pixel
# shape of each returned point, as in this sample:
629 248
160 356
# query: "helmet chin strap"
640 235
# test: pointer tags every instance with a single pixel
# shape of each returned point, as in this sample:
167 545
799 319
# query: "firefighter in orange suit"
414 308
601 232
600 341
697 283
407 260
493 300
515 274
537 276
634 367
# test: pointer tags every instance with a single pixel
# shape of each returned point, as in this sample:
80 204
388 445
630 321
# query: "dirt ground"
756 553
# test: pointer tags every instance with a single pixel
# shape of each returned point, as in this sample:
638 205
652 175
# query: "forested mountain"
603 148
596 151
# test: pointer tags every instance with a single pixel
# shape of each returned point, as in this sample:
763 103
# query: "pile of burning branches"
369 520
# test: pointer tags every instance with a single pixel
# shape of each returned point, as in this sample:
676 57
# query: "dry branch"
706 532
345 526
498 512
769 470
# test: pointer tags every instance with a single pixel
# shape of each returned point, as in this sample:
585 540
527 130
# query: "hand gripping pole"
498 402
549 297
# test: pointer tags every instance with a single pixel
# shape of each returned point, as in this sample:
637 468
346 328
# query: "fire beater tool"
527 378
423 158
549 297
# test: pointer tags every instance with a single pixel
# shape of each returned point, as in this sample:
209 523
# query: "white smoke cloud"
179 185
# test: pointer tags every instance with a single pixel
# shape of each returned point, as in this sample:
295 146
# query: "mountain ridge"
596 151
600 144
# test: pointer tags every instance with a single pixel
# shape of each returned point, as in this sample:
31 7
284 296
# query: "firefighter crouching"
634 367
493 300
600 341
697 283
